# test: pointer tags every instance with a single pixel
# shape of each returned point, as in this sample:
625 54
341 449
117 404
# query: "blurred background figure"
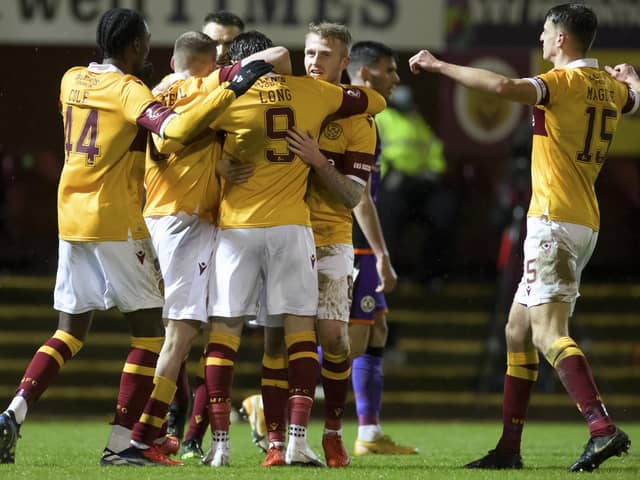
417 209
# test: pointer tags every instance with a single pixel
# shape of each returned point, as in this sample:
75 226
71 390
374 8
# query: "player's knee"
515 332
336 342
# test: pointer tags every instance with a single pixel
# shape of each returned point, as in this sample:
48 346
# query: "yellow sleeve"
191 123
135 97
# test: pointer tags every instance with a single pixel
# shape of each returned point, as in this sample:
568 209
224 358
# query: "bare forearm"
279 57
346 190
367 217
518 90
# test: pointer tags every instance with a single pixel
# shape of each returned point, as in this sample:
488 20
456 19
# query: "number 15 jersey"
574 123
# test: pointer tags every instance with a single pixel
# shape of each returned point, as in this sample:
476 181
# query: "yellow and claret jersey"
349 144
256 126
185 180
101 183
574 125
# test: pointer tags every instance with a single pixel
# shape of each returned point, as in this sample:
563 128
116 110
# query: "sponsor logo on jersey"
140 254
202 266
313 261
353 92
367 304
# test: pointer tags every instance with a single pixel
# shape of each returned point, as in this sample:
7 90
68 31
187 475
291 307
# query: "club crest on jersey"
367 304
202 266
332 131
140 254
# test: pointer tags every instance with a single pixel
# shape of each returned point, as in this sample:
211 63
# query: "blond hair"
336 31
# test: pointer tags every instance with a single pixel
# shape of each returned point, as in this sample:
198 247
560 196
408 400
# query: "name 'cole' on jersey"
574 125
257 125
101 181
349 144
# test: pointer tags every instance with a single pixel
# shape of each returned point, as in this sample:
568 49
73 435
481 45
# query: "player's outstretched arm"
277 56
369 222
514 89
303 144
625 73
190 123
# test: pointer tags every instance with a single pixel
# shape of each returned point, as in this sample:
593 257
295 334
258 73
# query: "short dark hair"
117 28
224 18
579 20
368 53
248 43
190 44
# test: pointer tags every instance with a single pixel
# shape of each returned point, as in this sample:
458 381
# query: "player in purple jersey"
373 65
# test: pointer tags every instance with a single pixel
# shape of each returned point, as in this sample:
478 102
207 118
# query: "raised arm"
277 56
189 124
369 222
514 89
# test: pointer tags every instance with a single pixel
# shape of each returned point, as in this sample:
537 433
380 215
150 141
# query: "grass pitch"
71 450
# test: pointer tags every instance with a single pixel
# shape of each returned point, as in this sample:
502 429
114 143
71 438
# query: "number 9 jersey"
257 125
574 122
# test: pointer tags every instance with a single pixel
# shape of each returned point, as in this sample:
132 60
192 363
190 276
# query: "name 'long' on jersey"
574 125
257 125
348 143
185 181
99 195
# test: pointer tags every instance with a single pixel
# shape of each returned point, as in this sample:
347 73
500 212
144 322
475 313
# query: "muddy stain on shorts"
555 264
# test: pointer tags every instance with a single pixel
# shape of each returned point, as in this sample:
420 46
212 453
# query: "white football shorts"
102 275
335 287
184 244
280 259
555 254
335 281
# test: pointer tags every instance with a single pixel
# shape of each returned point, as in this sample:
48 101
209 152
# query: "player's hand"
232 170
247 76
386 273
623 72
306 147
424 60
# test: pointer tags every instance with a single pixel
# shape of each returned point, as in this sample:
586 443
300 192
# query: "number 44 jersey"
256 126
100 190
574 124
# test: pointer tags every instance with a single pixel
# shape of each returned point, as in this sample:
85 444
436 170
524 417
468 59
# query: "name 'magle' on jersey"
257 125
574 125
349 144
99 195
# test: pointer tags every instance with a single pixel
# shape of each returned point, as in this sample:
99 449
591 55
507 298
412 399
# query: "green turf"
70 450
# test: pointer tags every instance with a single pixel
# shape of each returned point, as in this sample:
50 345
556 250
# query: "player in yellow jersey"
105 256
180 212
222 27
265 241
576 111
341 163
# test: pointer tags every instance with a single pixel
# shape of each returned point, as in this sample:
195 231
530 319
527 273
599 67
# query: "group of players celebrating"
227 194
